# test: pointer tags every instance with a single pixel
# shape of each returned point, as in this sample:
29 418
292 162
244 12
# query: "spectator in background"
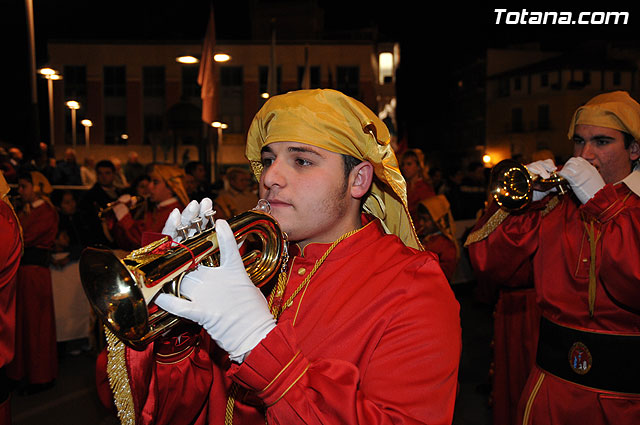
237 196
6 166
196 179
67 171
16 158
473 190
44 162
88 171
415 174
133 167
120 181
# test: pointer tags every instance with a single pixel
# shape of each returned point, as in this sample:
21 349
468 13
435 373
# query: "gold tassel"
593 240
119 379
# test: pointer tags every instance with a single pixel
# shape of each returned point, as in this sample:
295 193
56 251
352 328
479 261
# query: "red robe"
10 251
128 232
556 241
36 355
375 339
446 250
417 191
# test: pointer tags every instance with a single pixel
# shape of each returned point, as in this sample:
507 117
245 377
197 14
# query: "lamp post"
87 127
51 74
74 106
218 126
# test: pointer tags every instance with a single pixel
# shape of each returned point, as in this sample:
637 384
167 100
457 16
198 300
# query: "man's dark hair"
349 164
105 163
628 139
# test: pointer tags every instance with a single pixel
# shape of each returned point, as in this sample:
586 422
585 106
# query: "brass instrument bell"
512 184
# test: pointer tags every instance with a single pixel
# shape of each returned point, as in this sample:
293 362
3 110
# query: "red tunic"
417 191
128 232
555 243
446 250
10 251
36 356
374 339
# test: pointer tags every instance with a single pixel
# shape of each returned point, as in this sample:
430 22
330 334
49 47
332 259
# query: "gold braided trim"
279 373
290 386
231 401
554 202
532 396
119 379
492 224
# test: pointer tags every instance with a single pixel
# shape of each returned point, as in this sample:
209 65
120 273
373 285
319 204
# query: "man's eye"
266 162
602 142
578 141
303 162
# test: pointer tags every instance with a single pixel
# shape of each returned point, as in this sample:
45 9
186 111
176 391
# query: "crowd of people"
361 324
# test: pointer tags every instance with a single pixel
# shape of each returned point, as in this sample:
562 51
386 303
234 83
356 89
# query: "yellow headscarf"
173 177
333 121
440 211
41 185
616 110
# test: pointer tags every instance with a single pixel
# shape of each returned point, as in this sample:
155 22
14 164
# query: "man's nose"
273 175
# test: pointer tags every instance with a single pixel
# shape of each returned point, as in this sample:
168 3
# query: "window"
115 81
516 120
543 117
75 82
544 80
152 129
263 75
231 99
517 84
385 67
190 87
114 127
616 78
348 80
153 81
314 77
586 77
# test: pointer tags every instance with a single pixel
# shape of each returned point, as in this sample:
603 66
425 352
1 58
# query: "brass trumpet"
137 202
512 184
120 291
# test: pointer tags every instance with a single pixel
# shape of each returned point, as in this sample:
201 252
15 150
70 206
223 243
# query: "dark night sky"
436 38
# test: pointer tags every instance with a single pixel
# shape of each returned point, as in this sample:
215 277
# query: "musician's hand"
224 300
542 168
584 178
122 207
176 219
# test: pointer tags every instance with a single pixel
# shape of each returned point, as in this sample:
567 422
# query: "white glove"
121 208
584 178
542 168
224 300
176 219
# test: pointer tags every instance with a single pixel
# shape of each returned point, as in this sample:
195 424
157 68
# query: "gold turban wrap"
173 177
41 185
333 121
616 110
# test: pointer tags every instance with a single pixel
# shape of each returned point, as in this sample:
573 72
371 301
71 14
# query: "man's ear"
634 150
361 176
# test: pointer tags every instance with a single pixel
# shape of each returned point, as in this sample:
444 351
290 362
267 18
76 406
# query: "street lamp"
74 106
50 74
87 127
219 126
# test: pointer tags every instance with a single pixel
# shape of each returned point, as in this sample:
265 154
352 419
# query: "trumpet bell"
511 185
113 293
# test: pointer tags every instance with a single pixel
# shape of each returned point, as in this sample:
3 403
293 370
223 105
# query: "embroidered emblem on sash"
580 358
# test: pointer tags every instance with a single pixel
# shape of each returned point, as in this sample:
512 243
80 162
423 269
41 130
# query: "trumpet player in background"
166 192
581 249
362 326
35 364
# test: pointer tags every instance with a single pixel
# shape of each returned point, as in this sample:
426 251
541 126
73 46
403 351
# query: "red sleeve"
411 377
40 228
128 233
502 255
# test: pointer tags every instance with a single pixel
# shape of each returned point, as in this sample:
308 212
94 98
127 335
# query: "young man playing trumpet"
582 249
166 192
362 326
